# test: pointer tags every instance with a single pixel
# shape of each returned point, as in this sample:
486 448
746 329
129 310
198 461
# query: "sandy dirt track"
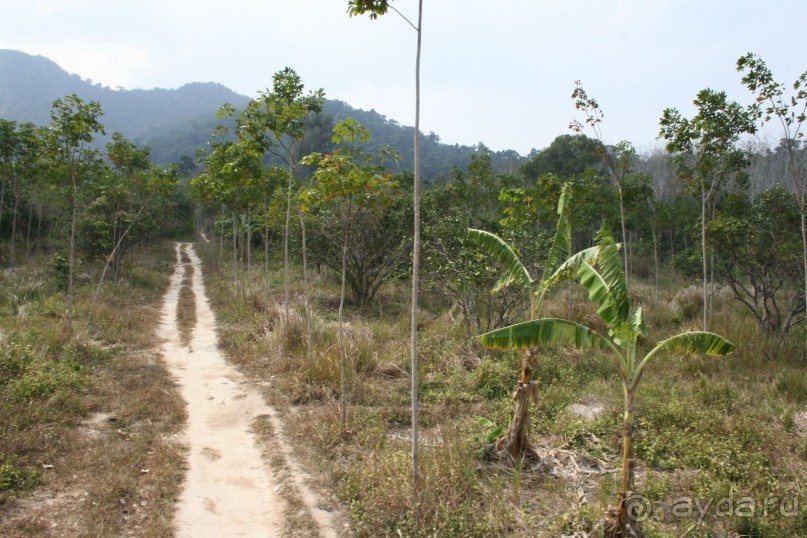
229 490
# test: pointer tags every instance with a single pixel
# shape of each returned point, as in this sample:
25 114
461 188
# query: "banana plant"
515 441
599 270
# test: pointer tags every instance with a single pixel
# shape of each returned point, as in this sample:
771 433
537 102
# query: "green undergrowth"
710 431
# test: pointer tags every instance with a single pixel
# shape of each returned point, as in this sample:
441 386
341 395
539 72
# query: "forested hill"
174 123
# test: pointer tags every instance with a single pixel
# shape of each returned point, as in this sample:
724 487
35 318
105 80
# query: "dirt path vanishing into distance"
230 490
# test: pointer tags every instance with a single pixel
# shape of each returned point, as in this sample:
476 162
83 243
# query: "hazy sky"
498 72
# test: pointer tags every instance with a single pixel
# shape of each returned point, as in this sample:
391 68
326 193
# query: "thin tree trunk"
803 207
71 262
341 336
2 197
235 252
655 257
713 208
703 254
39 228
249 251
221 241
286 265
309 335
672 246
14 223
115 242
114 256
711 287
28 231
625 255
266 262
416 261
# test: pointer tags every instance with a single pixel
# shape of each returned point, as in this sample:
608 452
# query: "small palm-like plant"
599 271
515 441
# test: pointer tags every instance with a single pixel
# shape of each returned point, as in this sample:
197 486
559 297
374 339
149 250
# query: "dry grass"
93 418
186 307
297 519
708 427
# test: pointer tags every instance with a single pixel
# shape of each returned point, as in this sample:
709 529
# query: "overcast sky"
497 72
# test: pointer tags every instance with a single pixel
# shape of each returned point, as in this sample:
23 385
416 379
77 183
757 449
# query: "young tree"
131 166
618 159
355 182
758 256
453 265
706 156
275 123
129 192
791 113
599 271
375 8
231 179
72 128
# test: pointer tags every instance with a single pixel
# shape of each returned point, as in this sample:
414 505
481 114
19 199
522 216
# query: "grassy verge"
186 308
87 446
720 444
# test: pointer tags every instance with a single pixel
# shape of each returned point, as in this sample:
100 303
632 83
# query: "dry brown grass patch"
104 447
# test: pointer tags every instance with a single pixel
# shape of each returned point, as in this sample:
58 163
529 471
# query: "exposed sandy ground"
229 489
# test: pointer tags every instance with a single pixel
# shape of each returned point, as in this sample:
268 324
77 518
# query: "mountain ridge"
176 122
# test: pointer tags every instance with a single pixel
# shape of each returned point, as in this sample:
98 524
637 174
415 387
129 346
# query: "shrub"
13 478
45 381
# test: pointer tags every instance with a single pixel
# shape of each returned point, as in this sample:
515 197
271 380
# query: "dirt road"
229 489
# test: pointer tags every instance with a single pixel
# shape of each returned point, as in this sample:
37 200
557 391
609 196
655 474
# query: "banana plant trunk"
516 440
626 526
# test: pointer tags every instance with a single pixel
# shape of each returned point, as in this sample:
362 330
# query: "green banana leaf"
561 244
610 267
506 256
544 332
695 342
638 323
570 267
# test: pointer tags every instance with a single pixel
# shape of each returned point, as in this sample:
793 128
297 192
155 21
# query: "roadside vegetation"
88 413
88 443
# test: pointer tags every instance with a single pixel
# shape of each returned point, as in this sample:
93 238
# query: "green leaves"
279 115
373 7
571 266
758 78
562 242
544 332
610 266
704 147
699 342
74 123
349 131
349 175
695 342
515 272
